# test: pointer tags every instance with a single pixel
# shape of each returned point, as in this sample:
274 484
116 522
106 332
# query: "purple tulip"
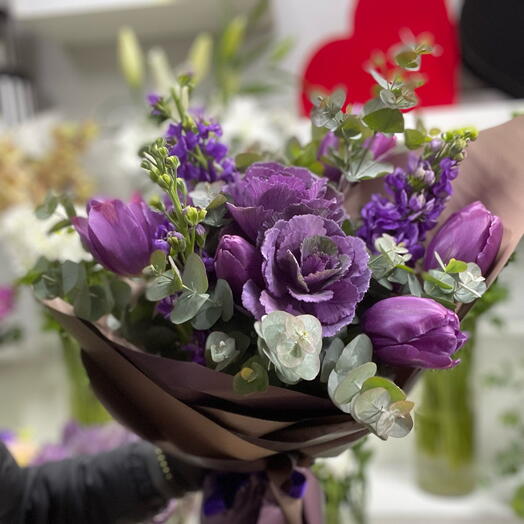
237 261
380 144
473 234
7 301
413 331
119 236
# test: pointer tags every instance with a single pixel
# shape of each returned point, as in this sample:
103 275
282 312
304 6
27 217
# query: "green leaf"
439 279
187 306
82 303
293 149
456 266
233 37
414 285
207 317
517 501
68 205
73 274
47 208
281 49
199 56
121 292
244 160
351 128
224 296
385 120
101 303
367 169
352 383
347 227
158 260
61 224
358 352
163 286
369 405
394 391
408 59
251 378
414 138
195 275
331 355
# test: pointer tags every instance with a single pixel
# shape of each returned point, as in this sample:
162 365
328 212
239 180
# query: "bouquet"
244 320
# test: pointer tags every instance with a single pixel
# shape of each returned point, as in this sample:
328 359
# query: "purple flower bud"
473 234
329 142
119 236
415 332
7 301
380 144
237 261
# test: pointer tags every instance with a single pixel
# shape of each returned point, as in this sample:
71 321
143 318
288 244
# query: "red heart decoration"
378 24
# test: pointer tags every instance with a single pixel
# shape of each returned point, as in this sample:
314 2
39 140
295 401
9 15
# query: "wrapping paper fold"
193 412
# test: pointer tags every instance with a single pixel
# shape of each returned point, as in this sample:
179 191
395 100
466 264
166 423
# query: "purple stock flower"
270 192
310 267
7 301
184 143
413 331
416 198
195 348
472 234
237 261
119 236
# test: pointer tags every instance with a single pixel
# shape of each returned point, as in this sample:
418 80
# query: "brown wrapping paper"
193 411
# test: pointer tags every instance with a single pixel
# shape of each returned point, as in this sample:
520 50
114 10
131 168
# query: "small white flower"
24 239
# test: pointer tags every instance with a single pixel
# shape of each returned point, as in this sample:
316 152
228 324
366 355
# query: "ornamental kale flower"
413 331
416 197
310 267
270 191
473 234
119 236
203 158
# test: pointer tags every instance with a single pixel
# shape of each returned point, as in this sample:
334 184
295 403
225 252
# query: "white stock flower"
24 239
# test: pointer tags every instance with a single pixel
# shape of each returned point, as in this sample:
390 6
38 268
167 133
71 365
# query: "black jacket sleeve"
119 486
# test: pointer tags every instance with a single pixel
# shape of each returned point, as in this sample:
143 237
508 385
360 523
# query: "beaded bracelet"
164 466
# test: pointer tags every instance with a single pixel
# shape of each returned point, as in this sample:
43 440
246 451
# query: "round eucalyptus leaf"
187 306
369 405
331 355
352 382
357 352
402 426
394 391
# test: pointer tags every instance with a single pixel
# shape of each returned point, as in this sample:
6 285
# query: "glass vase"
84 406
445 424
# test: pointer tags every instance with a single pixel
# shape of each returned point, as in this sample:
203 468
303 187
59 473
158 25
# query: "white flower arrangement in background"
24 240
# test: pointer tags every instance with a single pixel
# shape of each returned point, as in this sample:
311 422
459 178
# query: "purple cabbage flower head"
310 266
269 192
